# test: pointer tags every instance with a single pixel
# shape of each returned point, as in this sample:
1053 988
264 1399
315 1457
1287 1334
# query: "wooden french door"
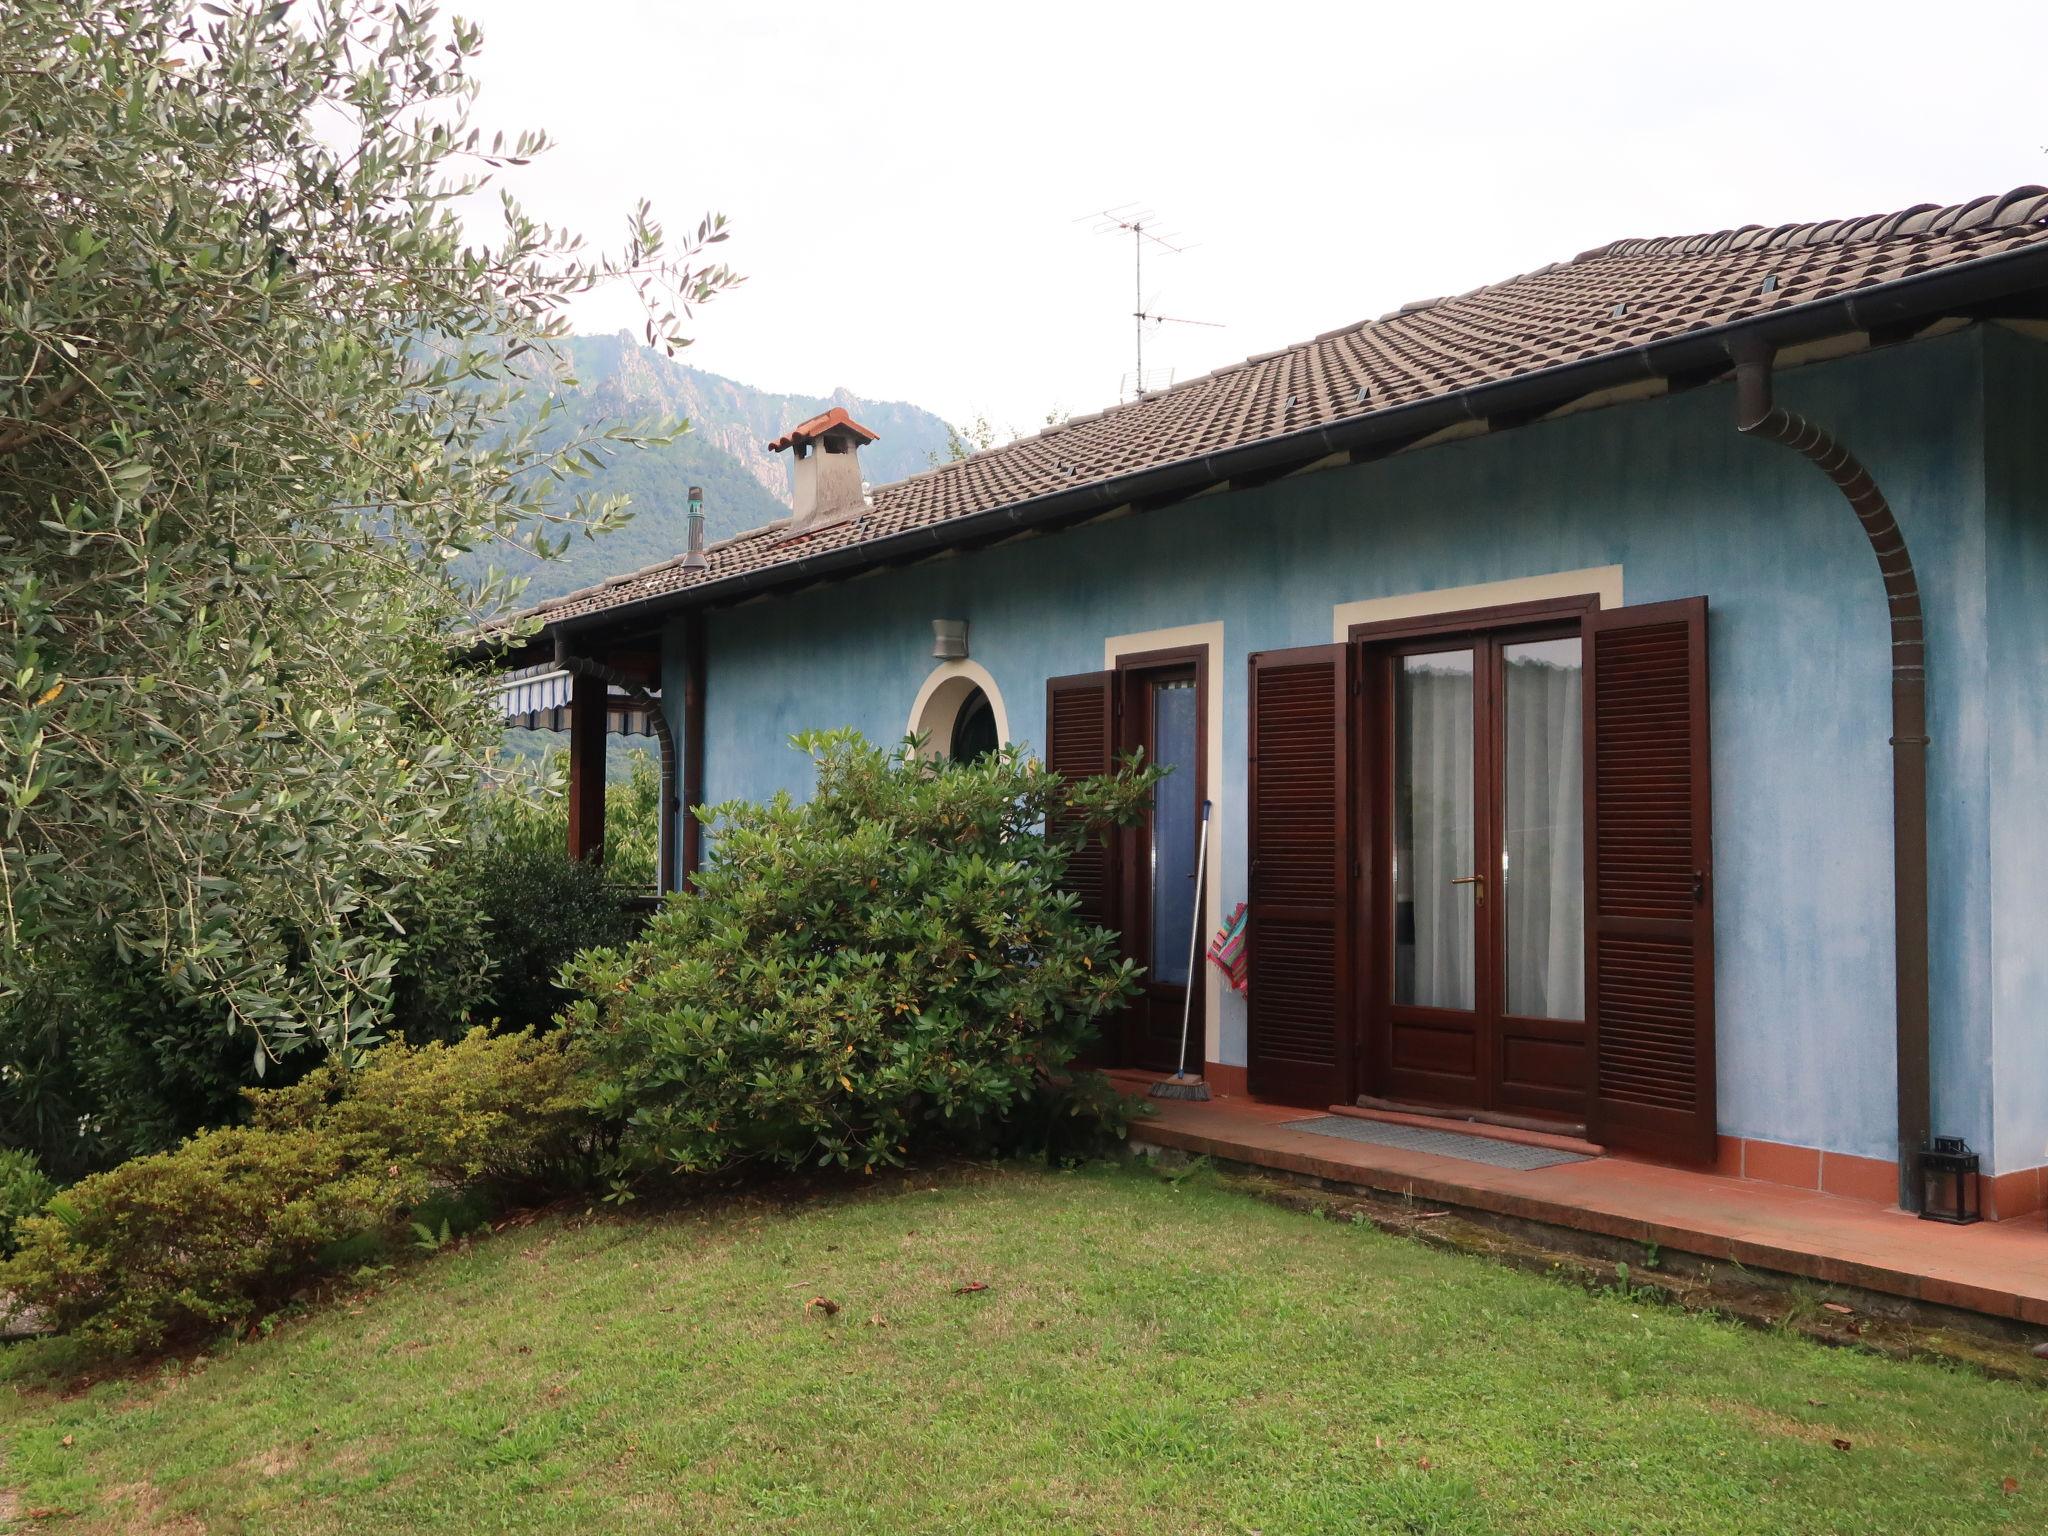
1141 881
1481 869
1474 755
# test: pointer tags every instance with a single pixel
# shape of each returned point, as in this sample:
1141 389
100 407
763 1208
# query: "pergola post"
587 701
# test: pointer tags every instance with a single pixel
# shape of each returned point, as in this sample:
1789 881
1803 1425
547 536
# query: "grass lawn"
1146 1357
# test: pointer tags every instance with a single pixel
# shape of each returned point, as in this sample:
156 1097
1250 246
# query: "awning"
537 699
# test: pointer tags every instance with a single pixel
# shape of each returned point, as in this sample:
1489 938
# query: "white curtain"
1433 807
1543 860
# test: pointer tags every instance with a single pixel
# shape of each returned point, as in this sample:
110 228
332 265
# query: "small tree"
886 965
258 382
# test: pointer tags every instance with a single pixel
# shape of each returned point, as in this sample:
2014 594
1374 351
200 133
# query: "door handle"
1478 895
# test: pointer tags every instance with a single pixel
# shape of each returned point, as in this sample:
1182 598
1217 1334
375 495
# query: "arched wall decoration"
949 686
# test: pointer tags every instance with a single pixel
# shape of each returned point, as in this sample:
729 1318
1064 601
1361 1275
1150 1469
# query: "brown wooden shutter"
1080 743
1298 993
1650 880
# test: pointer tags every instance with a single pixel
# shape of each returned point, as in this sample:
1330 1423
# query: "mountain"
725 451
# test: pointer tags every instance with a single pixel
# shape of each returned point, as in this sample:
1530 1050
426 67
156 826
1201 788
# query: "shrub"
24 1190
99 1063
510 1109
890 963
536 910
331 1169
208 1235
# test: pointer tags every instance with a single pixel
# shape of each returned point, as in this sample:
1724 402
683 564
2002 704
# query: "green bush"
100 1062
24 1190
890 964
330 1170
209 1235
538 762
509 1109
536 910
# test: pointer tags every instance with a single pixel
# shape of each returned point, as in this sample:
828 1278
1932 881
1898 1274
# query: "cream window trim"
1603 580
939 699
1208 637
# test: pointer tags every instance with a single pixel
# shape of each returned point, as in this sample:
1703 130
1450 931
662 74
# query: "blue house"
1622 690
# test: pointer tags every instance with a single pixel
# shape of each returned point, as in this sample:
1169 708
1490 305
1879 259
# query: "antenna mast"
1138 223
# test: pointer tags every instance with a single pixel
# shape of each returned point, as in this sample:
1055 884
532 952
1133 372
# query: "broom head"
1180 1086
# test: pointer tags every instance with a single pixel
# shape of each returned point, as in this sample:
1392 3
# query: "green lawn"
1146 1357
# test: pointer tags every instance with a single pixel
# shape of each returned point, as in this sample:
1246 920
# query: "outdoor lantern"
949 639
1948 1182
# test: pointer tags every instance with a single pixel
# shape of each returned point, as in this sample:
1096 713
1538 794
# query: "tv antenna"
1142 225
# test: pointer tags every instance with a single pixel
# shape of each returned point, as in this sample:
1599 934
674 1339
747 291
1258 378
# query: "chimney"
828 480
694 560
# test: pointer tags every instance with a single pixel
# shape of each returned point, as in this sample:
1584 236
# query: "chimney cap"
818 426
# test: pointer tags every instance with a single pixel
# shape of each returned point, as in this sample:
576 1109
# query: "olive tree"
274 347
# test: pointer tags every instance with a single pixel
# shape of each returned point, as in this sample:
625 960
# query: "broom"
1183 1084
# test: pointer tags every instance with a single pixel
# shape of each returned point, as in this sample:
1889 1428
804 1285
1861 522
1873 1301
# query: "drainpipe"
693 744
585 666
1758 416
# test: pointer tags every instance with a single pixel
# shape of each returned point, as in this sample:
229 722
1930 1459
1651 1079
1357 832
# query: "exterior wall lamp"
949 639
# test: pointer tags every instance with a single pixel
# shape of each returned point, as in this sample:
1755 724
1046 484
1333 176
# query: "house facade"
1540 653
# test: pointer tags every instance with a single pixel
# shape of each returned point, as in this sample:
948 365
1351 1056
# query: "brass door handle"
1478 880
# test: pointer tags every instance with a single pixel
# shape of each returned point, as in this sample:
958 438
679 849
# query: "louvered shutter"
1080 743
1650 880
1298 942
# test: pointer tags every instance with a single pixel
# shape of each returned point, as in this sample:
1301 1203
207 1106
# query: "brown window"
1480 874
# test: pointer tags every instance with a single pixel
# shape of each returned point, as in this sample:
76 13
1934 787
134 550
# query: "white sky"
904 178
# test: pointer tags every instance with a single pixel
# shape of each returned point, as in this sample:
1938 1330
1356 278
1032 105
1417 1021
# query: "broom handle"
1187 1002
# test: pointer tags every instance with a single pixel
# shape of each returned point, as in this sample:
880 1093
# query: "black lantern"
1948 1182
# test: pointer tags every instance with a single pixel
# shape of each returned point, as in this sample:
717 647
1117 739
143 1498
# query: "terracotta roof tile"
819 425
1608 300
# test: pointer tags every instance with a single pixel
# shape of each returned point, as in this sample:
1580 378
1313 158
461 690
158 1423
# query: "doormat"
1420 1138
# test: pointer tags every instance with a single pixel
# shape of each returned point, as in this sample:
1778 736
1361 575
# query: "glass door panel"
1176 829
1542 856
1435 874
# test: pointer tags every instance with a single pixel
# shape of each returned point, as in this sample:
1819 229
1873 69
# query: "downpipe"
1758 415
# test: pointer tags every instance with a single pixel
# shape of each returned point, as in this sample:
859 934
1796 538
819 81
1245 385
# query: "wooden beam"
586 768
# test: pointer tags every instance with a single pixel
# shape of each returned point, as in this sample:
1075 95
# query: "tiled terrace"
1996 1268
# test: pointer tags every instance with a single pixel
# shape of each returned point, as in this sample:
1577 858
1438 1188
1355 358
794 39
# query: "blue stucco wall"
1667 490
2016 501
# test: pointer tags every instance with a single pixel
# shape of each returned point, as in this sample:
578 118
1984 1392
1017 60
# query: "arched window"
959 712
974 729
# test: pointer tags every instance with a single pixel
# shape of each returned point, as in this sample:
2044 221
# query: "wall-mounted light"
949 639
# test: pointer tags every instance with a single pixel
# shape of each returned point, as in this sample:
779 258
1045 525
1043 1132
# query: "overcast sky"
904 180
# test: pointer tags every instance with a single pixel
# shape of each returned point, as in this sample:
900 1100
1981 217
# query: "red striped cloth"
1227 950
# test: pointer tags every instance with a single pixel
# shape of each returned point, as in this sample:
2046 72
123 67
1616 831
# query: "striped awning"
537 699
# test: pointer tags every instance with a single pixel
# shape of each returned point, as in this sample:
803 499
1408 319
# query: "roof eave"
1927 294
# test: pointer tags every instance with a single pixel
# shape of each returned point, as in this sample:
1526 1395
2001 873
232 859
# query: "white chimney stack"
828 478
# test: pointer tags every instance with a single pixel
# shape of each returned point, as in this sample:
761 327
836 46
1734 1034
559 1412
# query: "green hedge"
235 1221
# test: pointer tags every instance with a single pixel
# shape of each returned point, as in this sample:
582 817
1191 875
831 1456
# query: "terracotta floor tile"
1997 1268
